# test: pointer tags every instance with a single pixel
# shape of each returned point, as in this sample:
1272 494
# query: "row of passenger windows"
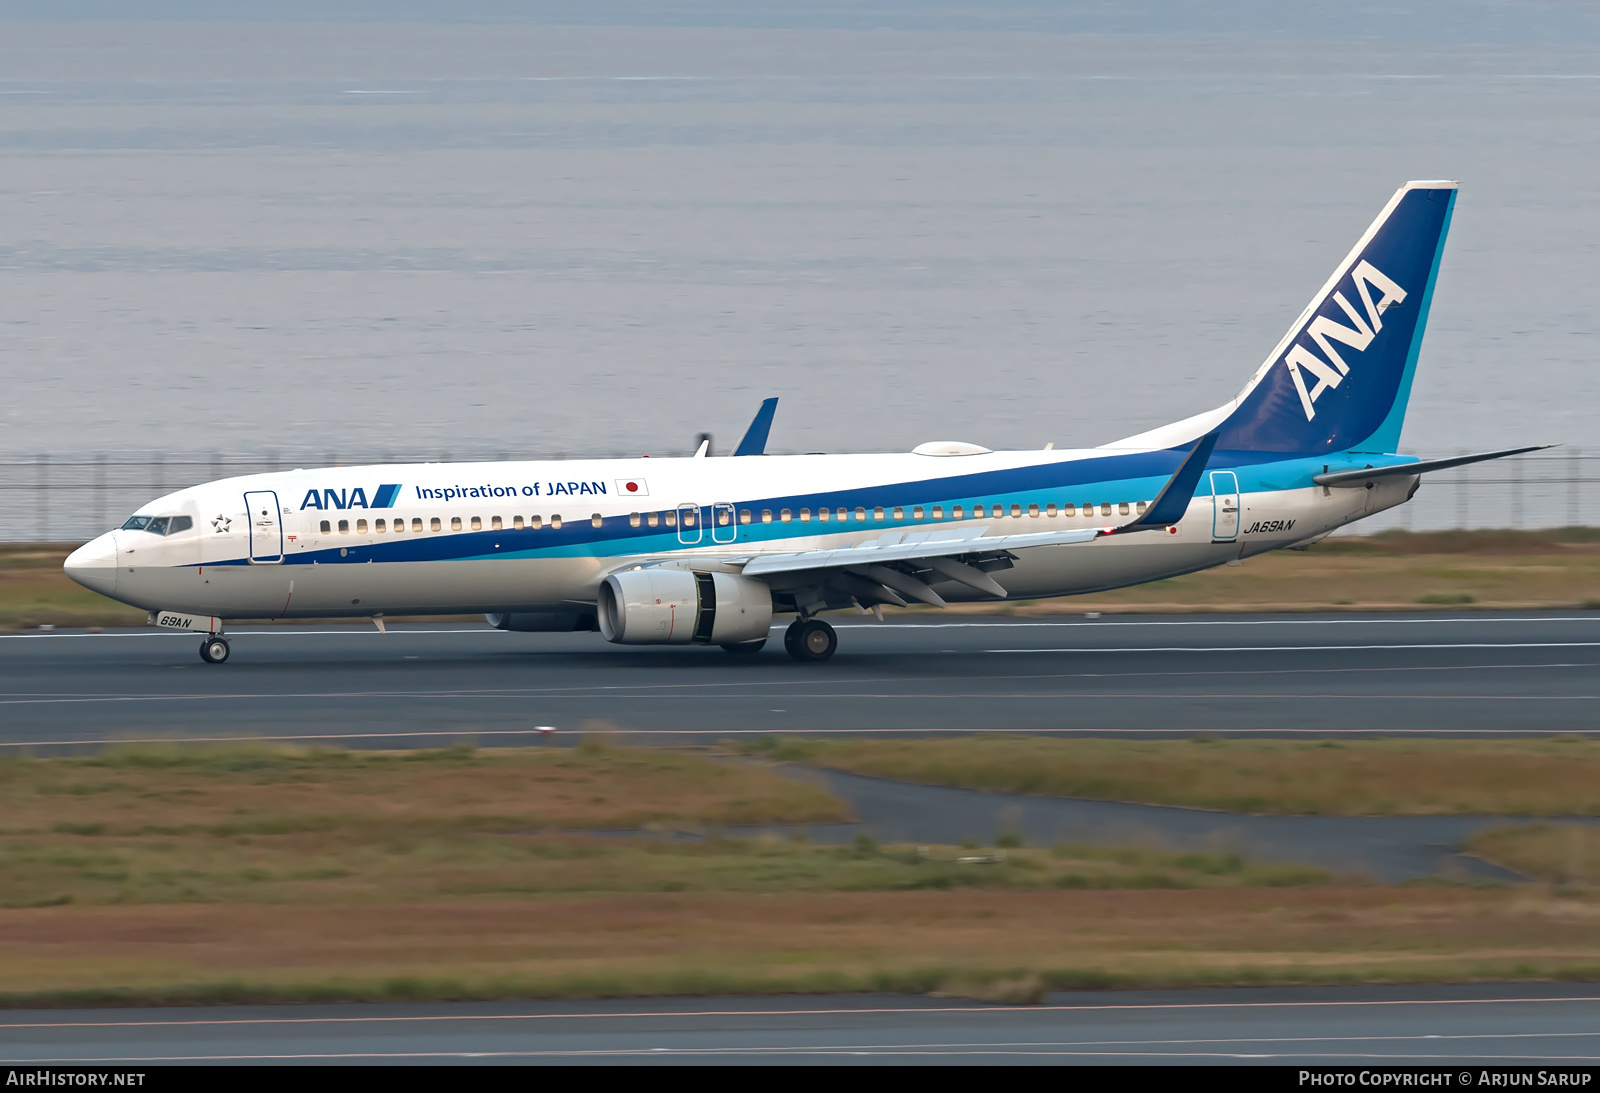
724 516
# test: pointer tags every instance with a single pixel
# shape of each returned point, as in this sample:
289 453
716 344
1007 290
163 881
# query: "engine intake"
678 607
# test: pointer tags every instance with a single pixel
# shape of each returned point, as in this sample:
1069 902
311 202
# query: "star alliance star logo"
223 524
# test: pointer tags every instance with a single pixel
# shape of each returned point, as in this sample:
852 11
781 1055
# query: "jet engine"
679 607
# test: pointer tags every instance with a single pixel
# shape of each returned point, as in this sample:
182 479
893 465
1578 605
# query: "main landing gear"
214 649
810 640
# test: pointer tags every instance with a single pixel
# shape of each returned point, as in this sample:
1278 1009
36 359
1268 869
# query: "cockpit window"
158 526
179 523
135 523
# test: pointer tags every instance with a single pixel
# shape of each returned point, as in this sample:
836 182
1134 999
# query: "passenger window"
516 523
594 520
938 512
1105 508
1141 507
877 513
361 527
823 515
916 513
1123 508
1088 510
671 518
766 516
653 519
379 525
1033 510
979 512
555 521
416 524
744 517
805 516
344 527
861 514
477 523
536 522
1050 509
899 513
495 525
455 523
1016 511
326 527
784 517
1069 509
633 519
433 524
955 512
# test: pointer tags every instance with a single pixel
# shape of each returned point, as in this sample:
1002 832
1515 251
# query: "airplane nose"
94 565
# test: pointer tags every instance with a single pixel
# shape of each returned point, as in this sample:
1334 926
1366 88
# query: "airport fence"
52 498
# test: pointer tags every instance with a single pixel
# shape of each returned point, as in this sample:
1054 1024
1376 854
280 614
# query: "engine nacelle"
678 607
543 622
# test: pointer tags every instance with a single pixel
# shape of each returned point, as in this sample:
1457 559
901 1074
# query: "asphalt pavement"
1544 1024
1467 673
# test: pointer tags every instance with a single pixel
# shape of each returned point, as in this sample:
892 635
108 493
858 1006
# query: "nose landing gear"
810 640
214 649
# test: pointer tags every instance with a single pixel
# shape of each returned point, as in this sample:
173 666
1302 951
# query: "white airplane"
706 550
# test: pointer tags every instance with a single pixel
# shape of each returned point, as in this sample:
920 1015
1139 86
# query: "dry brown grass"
173 875
1561 854
241 791
1542 777
969 941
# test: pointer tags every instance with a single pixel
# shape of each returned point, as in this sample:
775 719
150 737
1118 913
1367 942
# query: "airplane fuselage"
541 536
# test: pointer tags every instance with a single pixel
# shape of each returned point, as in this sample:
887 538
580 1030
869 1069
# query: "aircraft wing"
1368 474
899 564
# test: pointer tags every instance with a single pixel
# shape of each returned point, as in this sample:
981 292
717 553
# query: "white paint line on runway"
998 1009
1301 648
356 630
482 733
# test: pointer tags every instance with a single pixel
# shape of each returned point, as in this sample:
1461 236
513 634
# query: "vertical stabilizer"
1341 377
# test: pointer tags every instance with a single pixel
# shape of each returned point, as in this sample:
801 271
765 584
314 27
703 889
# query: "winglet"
1173 500
755 437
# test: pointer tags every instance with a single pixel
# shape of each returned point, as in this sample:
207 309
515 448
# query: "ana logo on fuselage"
1324 331
382 498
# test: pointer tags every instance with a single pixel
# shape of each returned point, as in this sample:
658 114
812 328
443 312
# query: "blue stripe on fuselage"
1132 477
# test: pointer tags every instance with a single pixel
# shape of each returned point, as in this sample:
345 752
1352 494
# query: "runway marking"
655 689
934 1050
1304 648
1358 620
478 734
1114 1007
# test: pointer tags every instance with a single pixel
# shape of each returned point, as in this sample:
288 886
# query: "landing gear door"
1225 506
266 527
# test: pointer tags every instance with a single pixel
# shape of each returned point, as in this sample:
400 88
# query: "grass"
226 874
1392 571
1560 854
1558 776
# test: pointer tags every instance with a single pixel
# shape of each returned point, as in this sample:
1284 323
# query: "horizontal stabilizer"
1370 474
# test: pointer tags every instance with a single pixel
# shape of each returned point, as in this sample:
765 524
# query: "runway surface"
1466 673
1367 1026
